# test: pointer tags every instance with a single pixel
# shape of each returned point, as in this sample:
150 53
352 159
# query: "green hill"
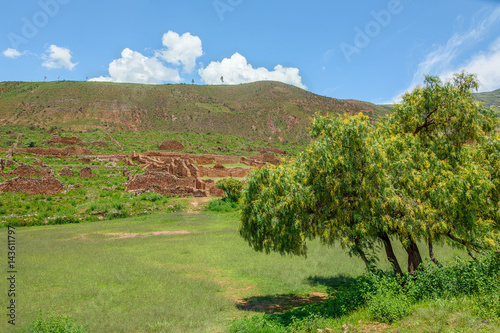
259 110
491 98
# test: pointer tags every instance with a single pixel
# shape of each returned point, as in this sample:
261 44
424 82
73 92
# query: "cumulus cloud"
183 50
12 53
134 67
58 57
440 61
236 70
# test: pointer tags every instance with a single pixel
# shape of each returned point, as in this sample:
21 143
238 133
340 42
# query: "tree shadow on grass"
330 281
272 304
278 303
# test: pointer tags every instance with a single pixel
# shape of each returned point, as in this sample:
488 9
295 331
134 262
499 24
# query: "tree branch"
468 245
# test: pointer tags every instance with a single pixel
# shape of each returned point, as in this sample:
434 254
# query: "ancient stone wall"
46 185
166 184
171 145
86 173
66 151
30 171
65 140
66 172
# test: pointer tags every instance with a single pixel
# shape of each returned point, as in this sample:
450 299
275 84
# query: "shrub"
257 324
388 297
116 213
63 220
459 277
222 205
29 144
55 324
232 187
151 196
387 307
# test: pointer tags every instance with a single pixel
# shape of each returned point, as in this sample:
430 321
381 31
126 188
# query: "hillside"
260 110
491 98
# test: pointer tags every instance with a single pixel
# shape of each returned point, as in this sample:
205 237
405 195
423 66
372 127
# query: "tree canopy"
231 187
429 172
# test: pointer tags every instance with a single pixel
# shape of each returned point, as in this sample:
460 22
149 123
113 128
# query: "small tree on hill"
427 172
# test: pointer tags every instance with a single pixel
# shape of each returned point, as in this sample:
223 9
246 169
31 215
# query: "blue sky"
360 49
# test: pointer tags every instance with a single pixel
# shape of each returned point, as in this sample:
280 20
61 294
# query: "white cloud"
58 57
12 53
183 50
236 70
440 60
133 67
486 65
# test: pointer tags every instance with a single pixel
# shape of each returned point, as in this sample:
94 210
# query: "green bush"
151 196
55 324
29 144
116 213
459 277
63 220
257 324
388 297
387 307
232 187
222 205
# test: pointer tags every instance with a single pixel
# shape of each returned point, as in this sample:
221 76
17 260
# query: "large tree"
428 172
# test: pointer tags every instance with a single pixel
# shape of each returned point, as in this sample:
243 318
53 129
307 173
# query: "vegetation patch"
56 323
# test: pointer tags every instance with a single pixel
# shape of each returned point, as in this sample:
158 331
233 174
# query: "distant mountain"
259 110
491 98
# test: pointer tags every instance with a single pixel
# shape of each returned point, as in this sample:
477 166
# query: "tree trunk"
431 253
361 253
365 260
414 258
390 253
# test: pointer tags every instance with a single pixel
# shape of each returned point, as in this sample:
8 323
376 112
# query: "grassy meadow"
197 276
116 262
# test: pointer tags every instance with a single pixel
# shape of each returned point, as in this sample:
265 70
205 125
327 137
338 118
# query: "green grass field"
190 280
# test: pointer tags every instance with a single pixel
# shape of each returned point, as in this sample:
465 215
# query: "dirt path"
197 204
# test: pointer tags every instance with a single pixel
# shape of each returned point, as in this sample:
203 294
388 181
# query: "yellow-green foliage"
232 187
429 172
